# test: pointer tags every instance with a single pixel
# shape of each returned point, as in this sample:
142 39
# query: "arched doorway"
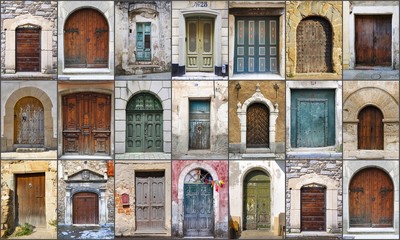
371 196
256 201
28 48
86 34
314 45
370 128
144 124
257 132
85 208
313 207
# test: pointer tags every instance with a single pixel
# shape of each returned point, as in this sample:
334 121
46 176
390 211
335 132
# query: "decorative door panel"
200 46
30 199
85 208
257 128
28 52
313 208
371 196
370 128
143 41
256 45
86 40
199 124
29 122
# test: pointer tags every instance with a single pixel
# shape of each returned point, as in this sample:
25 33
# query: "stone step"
258 156
30 149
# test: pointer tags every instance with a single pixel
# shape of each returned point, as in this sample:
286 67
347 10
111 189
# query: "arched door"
313 208
86 39
28 48
29 123
144 124
85 208
314 45
370 128
371 196
256 201
257 129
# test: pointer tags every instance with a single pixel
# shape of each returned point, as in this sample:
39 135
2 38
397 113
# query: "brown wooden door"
28 123
85 208
86 123
373 40
371 196
30 199
370 128
257 132
313 208
86 40
314 45
28 48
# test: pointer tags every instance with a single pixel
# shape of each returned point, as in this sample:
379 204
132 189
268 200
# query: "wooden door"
371 196
257 201
143 41
313 208
314 45
370 128
86 39
200 38
373 40
86 123
30 199
85 208
257 128
199 124
29 123
28 52
150 201
256 45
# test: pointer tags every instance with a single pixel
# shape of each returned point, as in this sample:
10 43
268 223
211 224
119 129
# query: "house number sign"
200 4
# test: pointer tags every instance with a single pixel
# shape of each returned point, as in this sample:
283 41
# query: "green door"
199 40
143 41
144 124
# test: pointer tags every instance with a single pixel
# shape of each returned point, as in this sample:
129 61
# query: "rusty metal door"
370 128
313 208
257 128
85 208
199 124
27 48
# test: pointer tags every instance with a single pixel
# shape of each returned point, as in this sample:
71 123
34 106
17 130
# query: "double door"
200 46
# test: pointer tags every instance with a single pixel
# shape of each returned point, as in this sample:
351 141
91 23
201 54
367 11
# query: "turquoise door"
143 41
199 124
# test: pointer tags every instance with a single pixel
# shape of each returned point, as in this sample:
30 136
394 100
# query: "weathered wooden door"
371 196
257 129
200 37
312 118
86 123
199 124
86 39
257 201
27 48
256 45
29 123
373 40
314 45
150 201
143 41
30 199
370 128
313 208
144 124
85 208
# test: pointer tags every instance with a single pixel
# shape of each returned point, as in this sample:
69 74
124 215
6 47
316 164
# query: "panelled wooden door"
150 201
85 208
257 128
86 39
371 196
370 128
143 41
200 46
86 123
30 199
256 45
257 201
28 52
199 124
313 208
314 45
144 124
373 40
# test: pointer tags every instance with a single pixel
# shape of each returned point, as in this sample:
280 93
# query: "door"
86 123
371 196
28 48
86 39
257 129
256 45
28 123
143 41
370 128
373 40
257 201
312 118
200 37
313 208
144 124
314 45
30 199
150 201
199 124
85 208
